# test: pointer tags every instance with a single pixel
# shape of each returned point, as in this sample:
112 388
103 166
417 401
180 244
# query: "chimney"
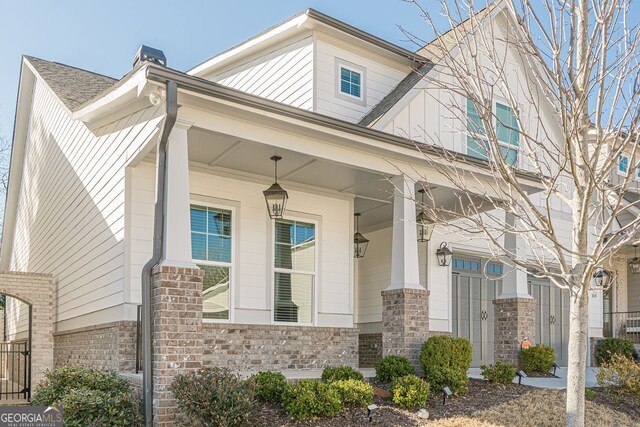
149 54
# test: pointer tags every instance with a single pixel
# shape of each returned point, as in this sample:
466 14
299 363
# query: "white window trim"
621 173
339 65
231 265
506 144
315 274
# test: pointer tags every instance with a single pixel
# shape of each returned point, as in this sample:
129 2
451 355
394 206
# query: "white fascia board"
253 45
20 128
129 97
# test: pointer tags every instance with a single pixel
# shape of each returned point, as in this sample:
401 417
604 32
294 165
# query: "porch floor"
555 383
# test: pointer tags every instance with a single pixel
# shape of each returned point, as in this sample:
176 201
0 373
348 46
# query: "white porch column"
177 222
514 283
405 271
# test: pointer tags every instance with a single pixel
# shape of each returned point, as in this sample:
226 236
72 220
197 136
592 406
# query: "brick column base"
515 321
177 333
405 323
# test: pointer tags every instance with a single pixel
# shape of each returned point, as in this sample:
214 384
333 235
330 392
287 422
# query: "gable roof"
433 51
74 86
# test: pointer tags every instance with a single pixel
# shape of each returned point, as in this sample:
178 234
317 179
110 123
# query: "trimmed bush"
445 361
391 367
311 398
89 396
409 391
538 358
622 372
353 392
215 397
337 373
269 386
607 347
499 373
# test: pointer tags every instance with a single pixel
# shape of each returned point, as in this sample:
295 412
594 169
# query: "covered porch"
621 302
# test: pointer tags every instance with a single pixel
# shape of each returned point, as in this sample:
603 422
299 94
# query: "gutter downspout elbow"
158 248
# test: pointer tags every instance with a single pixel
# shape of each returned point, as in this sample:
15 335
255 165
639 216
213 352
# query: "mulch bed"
621 402
537 374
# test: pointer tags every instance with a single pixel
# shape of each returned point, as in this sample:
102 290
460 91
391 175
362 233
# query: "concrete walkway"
557 383
303 374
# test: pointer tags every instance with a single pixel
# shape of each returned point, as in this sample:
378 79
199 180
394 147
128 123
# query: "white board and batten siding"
251 285
284 73
381 76
71 211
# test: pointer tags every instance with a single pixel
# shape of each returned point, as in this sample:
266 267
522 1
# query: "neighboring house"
336 104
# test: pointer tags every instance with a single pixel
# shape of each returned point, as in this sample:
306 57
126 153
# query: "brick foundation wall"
405 323
369 349
278 347
108 346
515 320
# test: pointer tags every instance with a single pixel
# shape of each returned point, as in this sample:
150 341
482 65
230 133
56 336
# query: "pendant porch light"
424 223
360 242
275 196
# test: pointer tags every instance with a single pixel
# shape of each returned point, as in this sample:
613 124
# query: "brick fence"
37 291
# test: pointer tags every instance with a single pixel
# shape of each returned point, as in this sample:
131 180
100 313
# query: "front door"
552 317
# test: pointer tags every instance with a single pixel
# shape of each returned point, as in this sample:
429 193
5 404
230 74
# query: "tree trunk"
578 327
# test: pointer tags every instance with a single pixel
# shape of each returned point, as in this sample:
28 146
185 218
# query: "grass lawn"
485 405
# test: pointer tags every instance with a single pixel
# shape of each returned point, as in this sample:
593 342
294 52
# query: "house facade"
344 110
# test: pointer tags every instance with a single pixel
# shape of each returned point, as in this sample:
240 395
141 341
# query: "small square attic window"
350 82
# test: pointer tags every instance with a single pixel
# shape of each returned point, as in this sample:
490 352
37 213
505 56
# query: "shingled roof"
72 85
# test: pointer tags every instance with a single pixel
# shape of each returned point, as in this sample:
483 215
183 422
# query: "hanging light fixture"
444 255
634 263
360 242
275 196
601 277
424 223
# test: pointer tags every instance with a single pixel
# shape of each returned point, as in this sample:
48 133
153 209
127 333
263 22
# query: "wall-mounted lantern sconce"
360 242
634 263
444 255
602 277
275 196
424 223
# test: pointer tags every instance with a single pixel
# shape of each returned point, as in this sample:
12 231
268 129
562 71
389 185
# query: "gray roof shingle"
72 85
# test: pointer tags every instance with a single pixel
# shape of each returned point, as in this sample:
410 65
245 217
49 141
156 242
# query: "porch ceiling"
372 191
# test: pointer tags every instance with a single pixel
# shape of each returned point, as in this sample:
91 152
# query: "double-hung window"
623 164
211 250
294 271
507 133
350 82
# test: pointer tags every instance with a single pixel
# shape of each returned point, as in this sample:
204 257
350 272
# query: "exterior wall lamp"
424 223
360 242
634 263
602 277
275 196
444 255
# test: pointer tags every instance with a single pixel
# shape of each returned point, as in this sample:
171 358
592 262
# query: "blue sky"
103 36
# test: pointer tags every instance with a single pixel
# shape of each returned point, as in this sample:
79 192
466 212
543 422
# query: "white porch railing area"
622 324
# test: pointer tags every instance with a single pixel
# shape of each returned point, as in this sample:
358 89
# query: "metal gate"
15 368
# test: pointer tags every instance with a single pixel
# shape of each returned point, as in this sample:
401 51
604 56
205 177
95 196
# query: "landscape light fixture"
444 255
424 223
602 277
521 375
275 196
634 263
555 366
360 242
371 409
446 392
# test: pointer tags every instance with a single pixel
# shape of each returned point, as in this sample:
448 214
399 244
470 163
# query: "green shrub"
499 373
337 373
392 367
353 392
215 397
439 377
409 391
445 361
621 372
610 346
89 396
269 386
311 398
538 358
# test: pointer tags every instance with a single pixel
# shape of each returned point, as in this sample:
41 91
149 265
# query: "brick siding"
369 349
515 320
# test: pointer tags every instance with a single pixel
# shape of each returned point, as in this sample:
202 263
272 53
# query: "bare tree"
5 158
572 112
